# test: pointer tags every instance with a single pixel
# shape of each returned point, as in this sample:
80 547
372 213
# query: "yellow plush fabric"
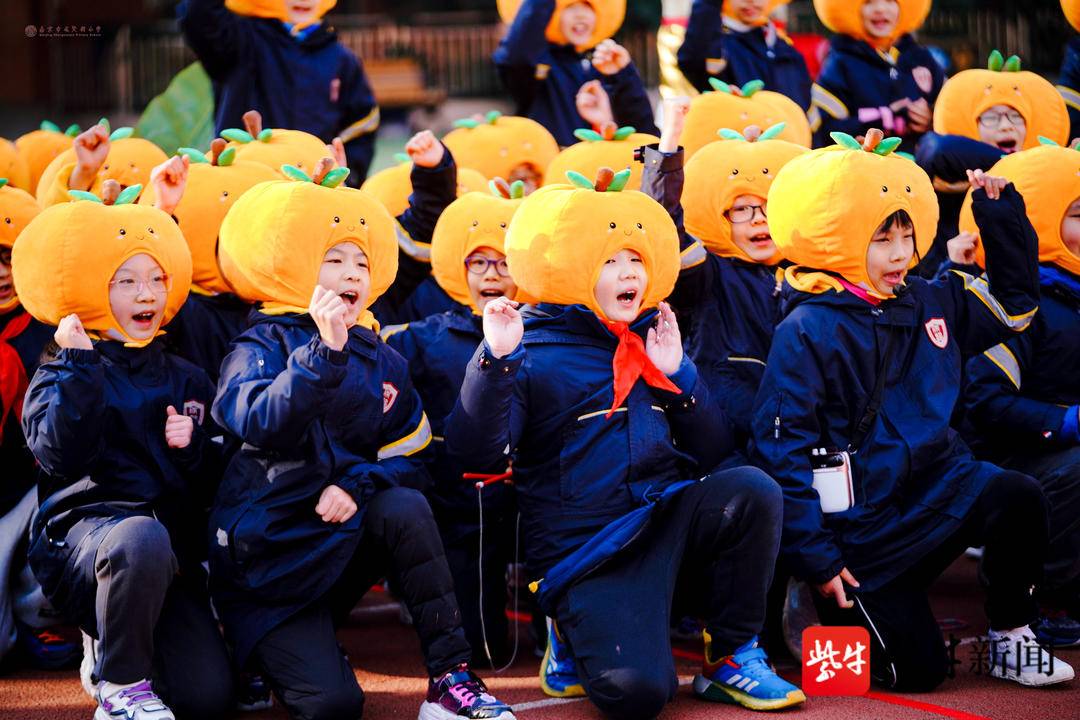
588 156
39 148
968 94
129 162
282 147
393 185
1071 8
13 166
500 143
609 18
17 209
720 172
845 17
274 238
825 205
1048 177
475 220
65 258
769 7
711 111
272 8
211 190
562 235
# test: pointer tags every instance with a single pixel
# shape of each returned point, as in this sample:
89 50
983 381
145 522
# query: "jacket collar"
362 341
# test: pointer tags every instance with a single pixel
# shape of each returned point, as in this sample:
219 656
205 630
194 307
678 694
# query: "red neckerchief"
13 381
859 292
630 363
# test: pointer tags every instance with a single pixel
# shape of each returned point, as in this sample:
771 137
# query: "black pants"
150 621
907 650
301 658
714 543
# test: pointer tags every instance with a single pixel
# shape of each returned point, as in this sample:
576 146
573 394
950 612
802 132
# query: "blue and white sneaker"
745 678
558 673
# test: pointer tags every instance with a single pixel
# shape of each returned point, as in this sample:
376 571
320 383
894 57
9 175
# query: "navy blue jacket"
308 416
712 49
205 327
438 350
857 85
95 421
576 471
727 307
1022 396
1069 84
914 478
316 84
544 78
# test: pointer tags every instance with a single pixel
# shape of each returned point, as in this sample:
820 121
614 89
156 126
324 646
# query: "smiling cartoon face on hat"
846 17
825 205
499 145
562 235
612 147
969 94
729 106
65 259
609 18
17 209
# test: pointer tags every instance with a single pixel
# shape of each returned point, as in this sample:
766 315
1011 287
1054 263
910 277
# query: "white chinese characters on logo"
825 658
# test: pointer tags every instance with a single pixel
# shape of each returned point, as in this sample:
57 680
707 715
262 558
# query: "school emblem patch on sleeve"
389 395
195 410
937 331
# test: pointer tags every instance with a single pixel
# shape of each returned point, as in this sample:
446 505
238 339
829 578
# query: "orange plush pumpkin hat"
1048 176
473 221
729 106
612 147
273 147
13 165
129 163
722 171
609 18
561 236
1071 8
17 209
393 186
41 146
65 258
825 205
213 186
968 94
500 143
275 236
845 17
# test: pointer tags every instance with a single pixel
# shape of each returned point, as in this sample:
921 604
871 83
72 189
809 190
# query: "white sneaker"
86 667
136 701
1016 655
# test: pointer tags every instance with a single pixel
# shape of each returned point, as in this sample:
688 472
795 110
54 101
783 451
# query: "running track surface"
386 658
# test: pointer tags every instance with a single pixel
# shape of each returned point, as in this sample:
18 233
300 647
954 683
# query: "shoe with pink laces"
461 694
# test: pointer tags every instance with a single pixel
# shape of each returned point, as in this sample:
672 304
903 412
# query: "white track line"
549 702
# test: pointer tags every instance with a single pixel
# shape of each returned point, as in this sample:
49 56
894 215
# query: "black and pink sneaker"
461 694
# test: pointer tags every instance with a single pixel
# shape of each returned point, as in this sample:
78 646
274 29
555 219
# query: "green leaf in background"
183 115
50 126
128 195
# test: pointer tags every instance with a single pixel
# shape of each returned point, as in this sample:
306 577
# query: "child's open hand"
91 149
503 327
169 180
328 311
992 184
919 115
962 248
425 149
335 505
178 428
70 334
593 104
609 57
663 344
336 148
675 111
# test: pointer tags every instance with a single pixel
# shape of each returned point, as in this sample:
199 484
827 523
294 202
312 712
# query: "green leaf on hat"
83 195
905 155
335 177
265 134
72 130
1043 140
121 133
196 156
1012 64
886 146
402 157
729 134
50 126
129 195
469 123
996 61
517 190
3 182
844 140
773 131
621 178
752 87
295 173
719 85
226 158
587 135
237 135
624 132
492 116
579 180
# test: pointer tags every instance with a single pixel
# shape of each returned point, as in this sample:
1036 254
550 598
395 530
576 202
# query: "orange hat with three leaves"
498 144
612 147
273 147
729 106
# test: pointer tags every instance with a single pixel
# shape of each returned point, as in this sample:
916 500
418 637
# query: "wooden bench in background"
399 82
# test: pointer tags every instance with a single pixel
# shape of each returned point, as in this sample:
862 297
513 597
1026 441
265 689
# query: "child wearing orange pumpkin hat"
853 412
731 106
554 48
876 75
604 417
502 146
1069 77
280 58
736 41
468 262
121 431
1023 396
323 498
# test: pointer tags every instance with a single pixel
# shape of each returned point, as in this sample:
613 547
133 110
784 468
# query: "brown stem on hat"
873 137
736 91
502 186
217 146
607 130
322 167
604 176
253 122
751 133
110 190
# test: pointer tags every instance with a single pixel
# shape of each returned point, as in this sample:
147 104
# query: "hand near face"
328 311
663 344
70 334
609 57
169 180
503 326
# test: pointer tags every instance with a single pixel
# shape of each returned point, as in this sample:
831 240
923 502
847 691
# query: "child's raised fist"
503 327
335 505
91 149
328 311
70 334
178 428
962 248
169 180
609 57
675 112
593 104
425 149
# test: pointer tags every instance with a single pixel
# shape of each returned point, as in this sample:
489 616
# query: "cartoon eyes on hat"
336 219
908 188
105 166
502 225
764 171
735 171
639 227
611 225
7 220
475 223
131 164
150 230
363 221
224 193
123 231
884 188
